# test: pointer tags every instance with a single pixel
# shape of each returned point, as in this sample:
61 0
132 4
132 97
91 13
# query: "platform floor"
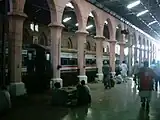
120 103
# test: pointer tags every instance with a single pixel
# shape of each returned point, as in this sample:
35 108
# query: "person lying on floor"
83 94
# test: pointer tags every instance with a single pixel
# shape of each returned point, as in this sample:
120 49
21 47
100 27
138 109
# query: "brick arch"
96 20
94 13
78 12
53 10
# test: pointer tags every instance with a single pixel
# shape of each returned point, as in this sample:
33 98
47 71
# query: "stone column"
99 56
135 53
140 55
81 40
130 60
151 57
148 56
130 55
56 34
16 20
144 55
112 54
122 46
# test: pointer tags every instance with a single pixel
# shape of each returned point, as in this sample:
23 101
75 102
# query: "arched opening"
70 21
43 39
106 32
69 45
118 33
38 65
36 22
91 28
90 45
118 39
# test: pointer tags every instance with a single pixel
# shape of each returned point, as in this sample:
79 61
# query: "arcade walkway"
119 103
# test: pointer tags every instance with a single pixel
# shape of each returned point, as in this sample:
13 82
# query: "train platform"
119 103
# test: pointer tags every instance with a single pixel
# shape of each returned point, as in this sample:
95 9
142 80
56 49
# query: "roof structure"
148 22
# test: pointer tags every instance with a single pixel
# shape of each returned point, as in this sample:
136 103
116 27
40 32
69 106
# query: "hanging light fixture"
134 4
142 13
67 19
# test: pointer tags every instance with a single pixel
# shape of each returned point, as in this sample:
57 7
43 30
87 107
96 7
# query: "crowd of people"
81 96
146 77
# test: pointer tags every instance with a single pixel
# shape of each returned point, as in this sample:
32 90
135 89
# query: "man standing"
145 84
106 73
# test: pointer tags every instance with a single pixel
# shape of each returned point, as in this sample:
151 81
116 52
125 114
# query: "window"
34 27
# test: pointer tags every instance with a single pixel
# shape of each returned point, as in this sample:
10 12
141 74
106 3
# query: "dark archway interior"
36 10
91 22
70 25
118 33
106 31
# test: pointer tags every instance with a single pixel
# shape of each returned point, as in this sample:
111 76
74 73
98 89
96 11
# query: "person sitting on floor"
83 94
59 96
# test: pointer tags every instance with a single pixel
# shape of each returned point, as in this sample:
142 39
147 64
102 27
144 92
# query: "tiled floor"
119 103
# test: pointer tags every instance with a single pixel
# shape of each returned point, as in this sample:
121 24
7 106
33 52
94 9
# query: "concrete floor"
119 103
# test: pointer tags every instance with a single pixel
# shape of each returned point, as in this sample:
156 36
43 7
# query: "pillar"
135 53
130 60
151 57
151 54
130 55
99 56
122 46
81 40
140 55
16 20
148 55
56 34
144 55
112 54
